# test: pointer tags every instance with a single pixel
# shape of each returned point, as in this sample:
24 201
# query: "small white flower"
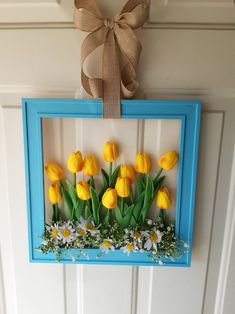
107 245
154 237
149 222
129 247
168 228
88 226
44 243
66 233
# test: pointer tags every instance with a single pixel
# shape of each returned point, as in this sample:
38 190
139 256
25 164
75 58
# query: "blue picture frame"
34 110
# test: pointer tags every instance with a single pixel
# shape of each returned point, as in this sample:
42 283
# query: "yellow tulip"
127 171
75 162
123 187
91 167
83 191
164 198
54 193
168 160
109 199
142 163
54 172
110 152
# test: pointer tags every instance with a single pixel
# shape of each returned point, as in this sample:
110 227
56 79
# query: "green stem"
74 179
122 205
158 175
132 195
92 182
110 171
57 212
162 215
54 213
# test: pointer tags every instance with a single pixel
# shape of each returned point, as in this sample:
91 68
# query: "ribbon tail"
111 78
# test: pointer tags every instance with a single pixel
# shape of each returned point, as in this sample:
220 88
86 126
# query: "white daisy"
136 235
107 245
79 231
54 231
66 233
154 237
88 226
129 247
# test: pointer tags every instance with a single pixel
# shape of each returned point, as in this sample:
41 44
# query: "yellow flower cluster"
126 176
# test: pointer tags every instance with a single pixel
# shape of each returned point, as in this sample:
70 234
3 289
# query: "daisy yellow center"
106 244
54 233
136 234
90 226
66 233
81 232
153 237
130 247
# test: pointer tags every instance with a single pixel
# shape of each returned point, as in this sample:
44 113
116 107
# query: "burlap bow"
120 54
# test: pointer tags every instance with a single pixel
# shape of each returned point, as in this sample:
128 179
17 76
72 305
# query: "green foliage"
114 177
95 205
68 201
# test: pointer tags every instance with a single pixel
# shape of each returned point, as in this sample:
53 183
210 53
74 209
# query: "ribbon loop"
120 54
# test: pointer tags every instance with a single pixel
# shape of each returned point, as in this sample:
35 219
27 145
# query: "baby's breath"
169 246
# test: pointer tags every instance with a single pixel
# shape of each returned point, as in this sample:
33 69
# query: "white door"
188 52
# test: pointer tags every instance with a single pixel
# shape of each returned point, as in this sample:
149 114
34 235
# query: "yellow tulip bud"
91 167
54 172
83 191
142 163
164 198
110 152
54 193
127 171
123 187
168 160
75 162
109 199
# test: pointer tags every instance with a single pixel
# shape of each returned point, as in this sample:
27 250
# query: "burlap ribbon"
121 51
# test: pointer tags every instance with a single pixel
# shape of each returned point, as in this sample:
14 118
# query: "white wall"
188 52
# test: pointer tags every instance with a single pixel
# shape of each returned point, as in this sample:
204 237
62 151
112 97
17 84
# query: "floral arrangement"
115 216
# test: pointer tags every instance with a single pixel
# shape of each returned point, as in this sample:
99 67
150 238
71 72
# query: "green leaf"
149 190
72 193
107 217
126 207
68 201
157 177
101 193
114 177
158 184
133 221
105 177
145 210
95 204
127 218
138 206
98 213
118 215
87 212
79 209
140 184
